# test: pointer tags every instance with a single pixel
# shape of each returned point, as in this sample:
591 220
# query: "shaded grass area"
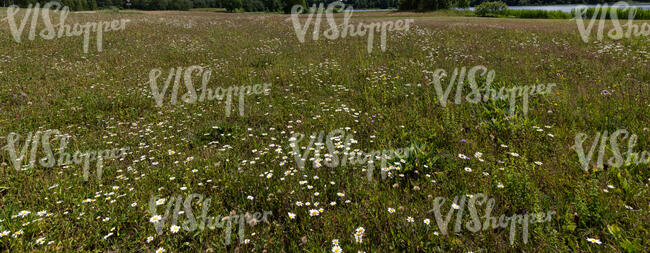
209 9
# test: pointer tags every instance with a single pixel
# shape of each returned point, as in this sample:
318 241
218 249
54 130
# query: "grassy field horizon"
243 158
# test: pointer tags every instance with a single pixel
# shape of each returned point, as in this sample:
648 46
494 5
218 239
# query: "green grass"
385 98
641 14
209 9
538 14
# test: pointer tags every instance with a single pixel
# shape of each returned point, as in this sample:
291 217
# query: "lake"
565 8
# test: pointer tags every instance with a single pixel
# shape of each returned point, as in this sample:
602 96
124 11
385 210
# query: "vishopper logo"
49 32
458 79
191 223
338 139
186 75
43 138
475 224
348 29
617 159
617 33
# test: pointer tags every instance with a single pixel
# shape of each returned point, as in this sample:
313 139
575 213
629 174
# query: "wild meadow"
385 99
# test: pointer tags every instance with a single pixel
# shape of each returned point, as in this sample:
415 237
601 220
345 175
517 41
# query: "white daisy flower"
592 240
17 233
160 202
155 218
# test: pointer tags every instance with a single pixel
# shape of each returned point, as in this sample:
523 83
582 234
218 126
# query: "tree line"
79 5
428 5
230 5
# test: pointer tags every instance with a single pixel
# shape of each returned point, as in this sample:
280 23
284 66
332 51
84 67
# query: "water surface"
566 7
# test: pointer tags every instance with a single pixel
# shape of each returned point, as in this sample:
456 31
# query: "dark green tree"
444 4
253 5
273 5
288 5
407 4
232 5
92 4
179 5
158 5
